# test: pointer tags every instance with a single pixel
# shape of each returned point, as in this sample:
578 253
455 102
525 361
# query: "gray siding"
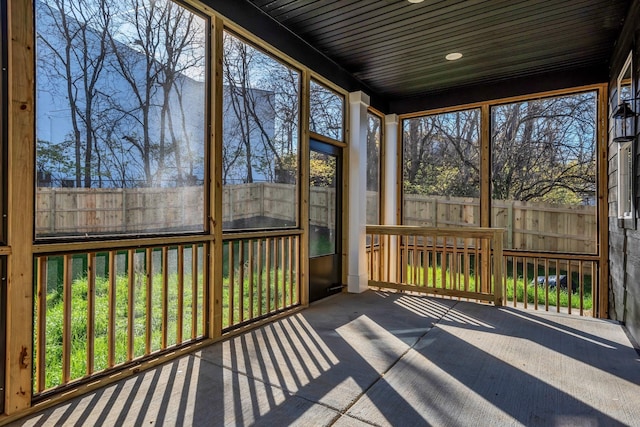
624 238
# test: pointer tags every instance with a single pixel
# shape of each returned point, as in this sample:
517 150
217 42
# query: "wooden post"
497 267
602 289
20 212
214 284
304 197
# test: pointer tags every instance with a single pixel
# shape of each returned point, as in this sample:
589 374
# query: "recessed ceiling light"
416 1
453 56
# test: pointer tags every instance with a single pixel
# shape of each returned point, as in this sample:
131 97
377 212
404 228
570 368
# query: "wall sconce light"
625 123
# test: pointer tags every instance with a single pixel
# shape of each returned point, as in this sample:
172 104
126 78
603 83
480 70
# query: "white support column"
357 172
390 185
390 169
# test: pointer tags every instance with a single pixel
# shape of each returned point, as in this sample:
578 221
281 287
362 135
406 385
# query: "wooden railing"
260 276
96 311
461 262
565 283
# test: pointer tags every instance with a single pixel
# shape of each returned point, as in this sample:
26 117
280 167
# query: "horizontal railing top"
414 230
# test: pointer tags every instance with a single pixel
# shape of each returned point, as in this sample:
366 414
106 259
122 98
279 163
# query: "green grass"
552 295
79 309
247 304
551 299
245 307
237 300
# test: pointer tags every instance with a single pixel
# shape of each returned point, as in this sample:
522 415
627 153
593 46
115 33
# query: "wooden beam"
214 284
603 208
303 176
20 212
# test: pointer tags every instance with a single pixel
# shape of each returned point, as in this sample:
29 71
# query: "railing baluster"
535 284
165 298
205 293
268 273
296 264
66 319
388 257
260 268
41 322
546 284
290 268
130 303
443 263
251 283
111 325
231 292
369 255
284 271
467 264
454 265
434 260
476 262
149 297
194 288
91 310
569 287
241 281
557 286
276 300
180 308
581 284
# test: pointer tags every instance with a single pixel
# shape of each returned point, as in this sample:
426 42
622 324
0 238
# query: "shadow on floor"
386 359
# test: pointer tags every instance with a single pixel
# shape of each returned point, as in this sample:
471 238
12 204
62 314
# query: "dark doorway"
325 216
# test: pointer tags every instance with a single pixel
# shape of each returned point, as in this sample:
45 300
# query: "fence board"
528 225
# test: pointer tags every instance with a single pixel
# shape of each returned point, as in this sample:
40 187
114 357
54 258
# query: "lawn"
534 292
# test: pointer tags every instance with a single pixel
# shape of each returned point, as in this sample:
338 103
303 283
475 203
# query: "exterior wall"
624 238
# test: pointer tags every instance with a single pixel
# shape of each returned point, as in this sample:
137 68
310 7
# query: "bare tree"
261 116
135 62
373 153
181 51
73 35
544 150
326 112
441 154
163 44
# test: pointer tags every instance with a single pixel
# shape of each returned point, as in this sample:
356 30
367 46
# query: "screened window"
261 101
441 169
121 120
327 112
374 135
625 155
544 173
625 181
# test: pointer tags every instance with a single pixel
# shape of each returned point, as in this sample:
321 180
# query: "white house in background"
119 125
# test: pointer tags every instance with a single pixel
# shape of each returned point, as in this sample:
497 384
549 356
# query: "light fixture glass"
453 56
416 1
624 123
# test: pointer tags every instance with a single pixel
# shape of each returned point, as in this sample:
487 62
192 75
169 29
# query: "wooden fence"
528 226
77 211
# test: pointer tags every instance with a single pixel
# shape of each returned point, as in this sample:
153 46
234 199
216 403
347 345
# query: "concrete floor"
386 359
